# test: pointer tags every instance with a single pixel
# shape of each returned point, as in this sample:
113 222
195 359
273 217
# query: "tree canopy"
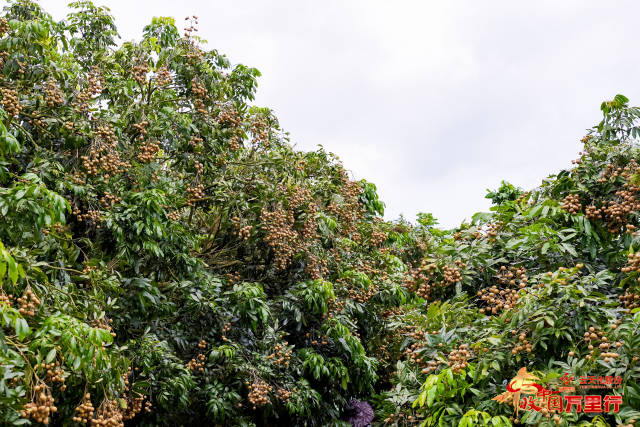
167 257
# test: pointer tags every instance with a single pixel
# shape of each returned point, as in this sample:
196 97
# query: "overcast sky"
433 101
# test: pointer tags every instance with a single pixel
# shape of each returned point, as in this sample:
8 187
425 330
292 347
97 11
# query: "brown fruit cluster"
259 393
41 405
52 93
452 274
524 344
147 152
28 303
174 215
163 77
458 358
571 203
229 117
630 300
134 406
633 264
196 142
103 154
53 373
225 329
199 91
84 411
432 366
234 143
196 193
141 128
109 414
4 26
197 363
10 101
199 167
316 267
421 280
506 297
600 346
91 216
592 212
259 132
283 394
280 234
281 355
108 200
363 295
378 237
401 419
202 344
95 82
139 73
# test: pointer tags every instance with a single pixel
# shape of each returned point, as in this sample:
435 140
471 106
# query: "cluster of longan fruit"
259 132
378 237
199 167
197 363
233 278
225 330
452 274
84 411
109 414
37 119
230 117
523 345
163 76
259 393
458 358
4 26
617 213
195 193
198 89
309 230
174 216
283 394
28 303
41 405
571 203
91 216
192 27
401 419
134 406
141 128
52 93
196 141
139 73
53 373
596 336
335 306
281 355
147 152
592 212
363 295
280 235
633 264
10 101
630 300
109 199
94 87
316 267
316 342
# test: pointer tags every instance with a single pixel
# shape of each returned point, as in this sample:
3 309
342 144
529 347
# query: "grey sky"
432 101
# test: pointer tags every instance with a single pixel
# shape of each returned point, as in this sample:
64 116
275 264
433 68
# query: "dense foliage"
166 257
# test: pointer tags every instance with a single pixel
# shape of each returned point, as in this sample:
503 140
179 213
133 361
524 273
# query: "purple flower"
360 413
